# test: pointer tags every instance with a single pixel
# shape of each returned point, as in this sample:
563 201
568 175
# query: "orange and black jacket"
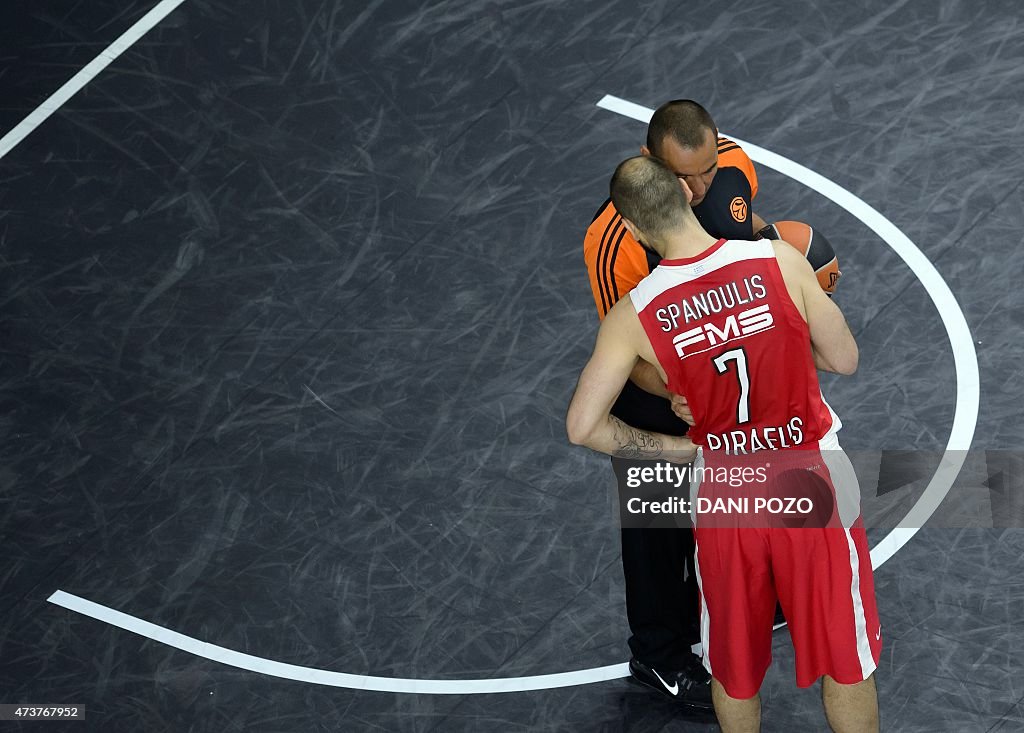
616 263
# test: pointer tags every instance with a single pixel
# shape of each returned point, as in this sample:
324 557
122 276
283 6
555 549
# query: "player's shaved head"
682 120
648 194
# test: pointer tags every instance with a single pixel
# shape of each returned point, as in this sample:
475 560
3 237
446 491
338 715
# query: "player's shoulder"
784 252
623 315
792 263
733 250
651 286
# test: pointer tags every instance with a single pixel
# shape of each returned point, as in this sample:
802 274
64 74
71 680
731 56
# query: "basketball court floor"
293 302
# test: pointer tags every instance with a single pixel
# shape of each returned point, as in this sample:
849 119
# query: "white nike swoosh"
878 637
674 689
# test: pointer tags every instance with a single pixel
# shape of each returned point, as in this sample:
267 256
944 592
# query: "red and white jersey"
731 340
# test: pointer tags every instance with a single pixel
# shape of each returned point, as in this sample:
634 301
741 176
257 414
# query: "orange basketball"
815 248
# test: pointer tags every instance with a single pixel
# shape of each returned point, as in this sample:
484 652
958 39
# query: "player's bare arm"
832 343
757 222
620 344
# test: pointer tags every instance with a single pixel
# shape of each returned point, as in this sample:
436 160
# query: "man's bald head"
682 121
649 195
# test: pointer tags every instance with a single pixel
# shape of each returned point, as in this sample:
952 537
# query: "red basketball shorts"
820 574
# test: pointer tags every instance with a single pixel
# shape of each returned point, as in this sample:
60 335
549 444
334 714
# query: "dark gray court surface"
293 301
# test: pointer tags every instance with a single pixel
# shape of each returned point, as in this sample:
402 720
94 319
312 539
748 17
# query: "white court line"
74 85
325 677
965 358
964 421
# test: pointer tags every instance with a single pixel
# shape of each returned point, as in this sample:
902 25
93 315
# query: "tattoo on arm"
633 443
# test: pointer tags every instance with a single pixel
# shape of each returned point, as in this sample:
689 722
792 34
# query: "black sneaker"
690 687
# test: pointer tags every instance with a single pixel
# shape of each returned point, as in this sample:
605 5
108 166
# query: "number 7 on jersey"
739 356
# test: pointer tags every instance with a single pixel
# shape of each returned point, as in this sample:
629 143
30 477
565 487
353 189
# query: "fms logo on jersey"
735 326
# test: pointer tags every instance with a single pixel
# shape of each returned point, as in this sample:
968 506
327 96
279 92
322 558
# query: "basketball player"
753 388
661 589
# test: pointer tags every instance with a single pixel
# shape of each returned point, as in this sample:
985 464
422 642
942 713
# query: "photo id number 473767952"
42 712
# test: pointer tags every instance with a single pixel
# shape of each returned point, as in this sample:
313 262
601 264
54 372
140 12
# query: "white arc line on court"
964 421
325 677
88 72
965 358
